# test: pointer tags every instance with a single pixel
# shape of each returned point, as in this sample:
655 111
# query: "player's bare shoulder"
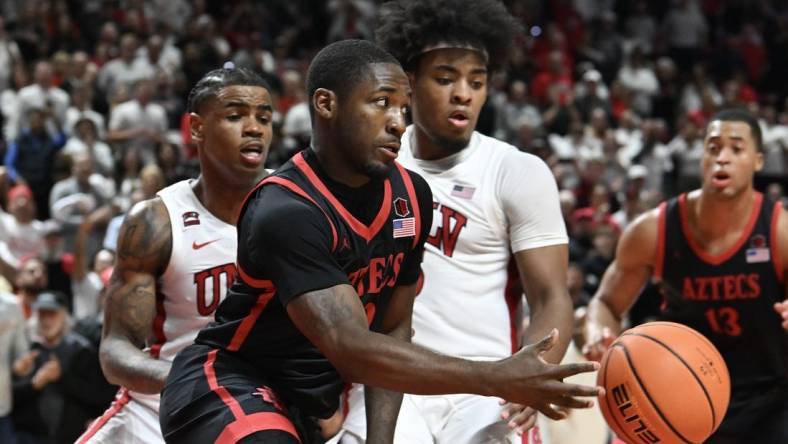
641 239
145 238
782 234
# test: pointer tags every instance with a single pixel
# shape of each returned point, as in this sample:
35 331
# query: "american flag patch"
463 191
404 227
758 255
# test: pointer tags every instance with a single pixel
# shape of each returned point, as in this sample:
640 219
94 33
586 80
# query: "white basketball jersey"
201 269
488 200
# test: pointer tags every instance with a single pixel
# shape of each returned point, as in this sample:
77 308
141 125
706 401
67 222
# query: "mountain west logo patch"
401 207
190 218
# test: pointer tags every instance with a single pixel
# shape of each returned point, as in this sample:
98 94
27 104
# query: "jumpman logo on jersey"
345 244
270 397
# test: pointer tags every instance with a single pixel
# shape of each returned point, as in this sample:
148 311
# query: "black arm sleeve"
411 266
287 240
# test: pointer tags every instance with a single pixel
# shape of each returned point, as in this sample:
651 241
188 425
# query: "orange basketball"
665 383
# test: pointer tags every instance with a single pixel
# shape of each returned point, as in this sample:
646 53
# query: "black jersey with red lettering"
299 231
728 297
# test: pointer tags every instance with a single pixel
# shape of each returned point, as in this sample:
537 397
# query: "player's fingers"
551 412
560 389
573 403
565 370
521 419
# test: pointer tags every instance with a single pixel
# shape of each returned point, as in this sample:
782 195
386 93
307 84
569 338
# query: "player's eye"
234 117
477 84
382 101
443 80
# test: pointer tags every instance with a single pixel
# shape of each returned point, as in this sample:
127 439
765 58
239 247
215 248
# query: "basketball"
664 382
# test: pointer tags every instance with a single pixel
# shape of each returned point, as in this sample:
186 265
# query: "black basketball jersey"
294 236
727 297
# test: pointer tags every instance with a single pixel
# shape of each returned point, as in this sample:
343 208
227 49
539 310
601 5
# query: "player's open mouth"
252 152
720 179
390 150
459 119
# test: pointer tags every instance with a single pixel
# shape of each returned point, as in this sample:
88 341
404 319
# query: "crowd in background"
612 94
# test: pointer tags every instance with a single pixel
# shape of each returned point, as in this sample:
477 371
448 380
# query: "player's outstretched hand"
597 344
536 383
782 309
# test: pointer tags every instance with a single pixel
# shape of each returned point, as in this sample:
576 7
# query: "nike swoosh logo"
197 246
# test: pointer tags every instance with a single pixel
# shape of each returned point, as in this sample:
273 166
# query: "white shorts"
437 419
126 421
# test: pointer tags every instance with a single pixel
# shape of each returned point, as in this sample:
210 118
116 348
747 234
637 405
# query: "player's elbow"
347 353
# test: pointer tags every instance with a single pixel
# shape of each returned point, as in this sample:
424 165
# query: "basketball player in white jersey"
177 251
490 199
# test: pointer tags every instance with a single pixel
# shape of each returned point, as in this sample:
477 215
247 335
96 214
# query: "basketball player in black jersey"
329 255
721 254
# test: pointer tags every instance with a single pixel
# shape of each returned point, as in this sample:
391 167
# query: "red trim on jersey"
414 201
775 246
248 322
158 326
659 260
362 230
256 422
260 284
297 190
213 383
121 400
725 255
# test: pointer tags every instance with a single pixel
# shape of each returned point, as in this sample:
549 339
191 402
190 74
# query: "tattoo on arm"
144 248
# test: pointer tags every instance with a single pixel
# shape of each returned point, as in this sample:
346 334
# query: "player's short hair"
210 84
741 115
342 65
407 27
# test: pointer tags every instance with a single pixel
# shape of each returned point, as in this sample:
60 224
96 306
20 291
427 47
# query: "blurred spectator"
591 93
608 43
57 261
576 283
42 95
9 100
139 123
351 19
603 241
126 69
86 281
685 29
21 235
80 72
641 27
13 346
631 203
81 107
76 197
64 388
10 56
31 158
30 281
516 111
85 140
639 78
686 149
775 143
549 79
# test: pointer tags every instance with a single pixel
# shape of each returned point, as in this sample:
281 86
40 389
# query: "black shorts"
758 415
213 396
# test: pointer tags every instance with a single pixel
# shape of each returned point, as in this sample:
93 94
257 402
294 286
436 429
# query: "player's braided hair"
406 27
210 84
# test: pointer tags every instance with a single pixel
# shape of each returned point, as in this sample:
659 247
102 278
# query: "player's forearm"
382 406
600 316
126 365
554 312
378 360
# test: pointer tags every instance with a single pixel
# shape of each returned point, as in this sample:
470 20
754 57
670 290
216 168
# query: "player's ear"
196 127
758 160
325 103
